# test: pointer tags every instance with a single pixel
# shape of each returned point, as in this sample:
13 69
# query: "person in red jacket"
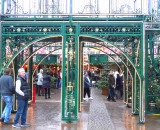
59 78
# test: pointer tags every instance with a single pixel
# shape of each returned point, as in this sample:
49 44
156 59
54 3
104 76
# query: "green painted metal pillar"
79 69
142 82
134 81
70 92
68 68
30 67
146 68
16 74
134 94
63 71
80 75
72 67
76 74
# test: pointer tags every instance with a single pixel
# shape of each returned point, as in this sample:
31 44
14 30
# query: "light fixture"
123 29
22 44
70 29
96 29
18 29
45 29
8 41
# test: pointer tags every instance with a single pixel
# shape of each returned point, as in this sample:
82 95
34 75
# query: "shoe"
49 97
1 119
8 122
85 99
108 99
25 125
16 125
90 98
114 100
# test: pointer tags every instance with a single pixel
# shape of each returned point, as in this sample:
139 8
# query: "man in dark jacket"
23 94
111 82
7 91
118 86
46 84
87 84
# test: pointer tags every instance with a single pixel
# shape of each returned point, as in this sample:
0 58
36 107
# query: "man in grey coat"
7 91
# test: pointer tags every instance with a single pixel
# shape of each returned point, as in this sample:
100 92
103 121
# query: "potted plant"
53 79
103 82
158 92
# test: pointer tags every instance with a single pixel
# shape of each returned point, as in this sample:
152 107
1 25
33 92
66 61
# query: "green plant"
155 85
53 80
103 82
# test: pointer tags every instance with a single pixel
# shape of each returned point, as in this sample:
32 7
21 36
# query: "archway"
134 72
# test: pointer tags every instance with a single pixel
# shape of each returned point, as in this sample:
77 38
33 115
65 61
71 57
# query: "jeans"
59 83
111 94
21 111
7 110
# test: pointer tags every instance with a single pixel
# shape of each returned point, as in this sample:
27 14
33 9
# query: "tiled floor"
96 114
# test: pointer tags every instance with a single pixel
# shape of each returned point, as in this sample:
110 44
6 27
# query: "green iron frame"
71 35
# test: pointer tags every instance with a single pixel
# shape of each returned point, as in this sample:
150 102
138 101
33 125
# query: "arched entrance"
89 41
71 36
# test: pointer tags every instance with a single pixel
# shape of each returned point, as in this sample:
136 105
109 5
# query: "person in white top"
39 83
23 95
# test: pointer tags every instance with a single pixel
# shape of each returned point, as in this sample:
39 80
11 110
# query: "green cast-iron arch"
133 106
127 57
140 75
49 36
37 67
115 54
35 52
44 58
114 61
153 59
29 44
133 101
40 63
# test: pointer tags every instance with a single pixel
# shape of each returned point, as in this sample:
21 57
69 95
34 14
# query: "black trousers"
40 89
86 91
47 91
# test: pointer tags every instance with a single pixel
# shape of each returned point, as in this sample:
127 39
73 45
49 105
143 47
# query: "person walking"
56 80
23 94
111 82
59 78
87 85
118 86
39 83
121 86
46 84
7 91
